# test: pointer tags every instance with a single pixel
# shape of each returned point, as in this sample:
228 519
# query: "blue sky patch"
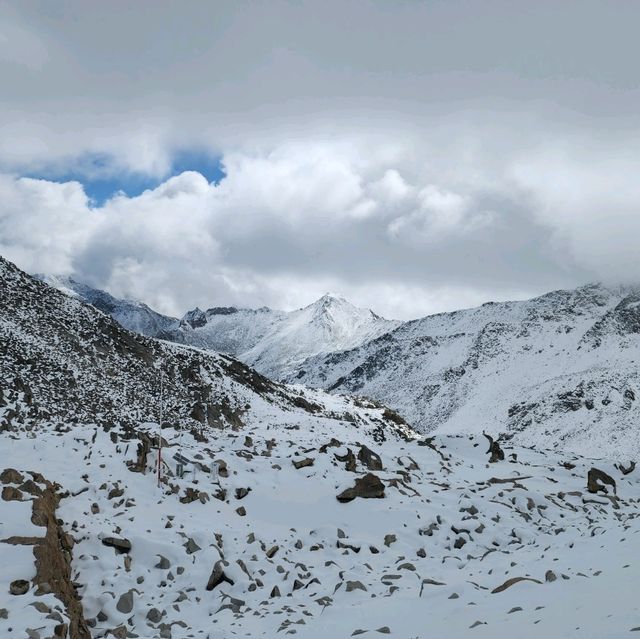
101 181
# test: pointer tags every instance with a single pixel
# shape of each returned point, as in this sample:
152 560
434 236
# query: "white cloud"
284 226
458 161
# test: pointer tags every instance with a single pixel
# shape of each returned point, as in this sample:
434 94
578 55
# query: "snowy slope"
558 370
455 547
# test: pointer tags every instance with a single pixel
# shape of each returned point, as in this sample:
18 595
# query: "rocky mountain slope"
271 341
63 361
558 370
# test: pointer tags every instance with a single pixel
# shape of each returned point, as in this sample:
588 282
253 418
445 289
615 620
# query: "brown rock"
368 487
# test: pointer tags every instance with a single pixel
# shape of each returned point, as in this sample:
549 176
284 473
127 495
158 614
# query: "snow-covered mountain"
558 370
329 324
282 510
274 342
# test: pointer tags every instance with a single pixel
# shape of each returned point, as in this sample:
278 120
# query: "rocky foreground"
311 527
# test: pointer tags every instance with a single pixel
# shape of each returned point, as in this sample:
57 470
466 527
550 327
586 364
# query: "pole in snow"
160 429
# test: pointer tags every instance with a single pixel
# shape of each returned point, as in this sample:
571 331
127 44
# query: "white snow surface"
334 573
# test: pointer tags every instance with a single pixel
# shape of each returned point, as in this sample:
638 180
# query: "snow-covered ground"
422 561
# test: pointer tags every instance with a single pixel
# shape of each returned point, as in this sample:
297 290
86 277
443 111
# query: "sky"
414 157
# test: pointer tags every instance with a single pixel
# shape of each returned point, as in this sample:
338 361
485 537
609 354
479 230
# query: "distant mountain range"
557 370
274 342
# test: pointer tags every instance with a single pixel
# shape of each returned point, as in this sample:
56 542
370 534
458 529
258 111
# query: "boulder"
120 544
303 463
19 587
368 486
369 459
218 576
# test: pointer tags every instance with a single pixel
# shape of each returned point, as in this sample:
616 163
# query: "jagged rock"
459 543
242 511
163 564
355 585
389 539
19 587
275 592
218 576
596 480
303 463
550 576
368 487
496 453
369 459
121 545
241 493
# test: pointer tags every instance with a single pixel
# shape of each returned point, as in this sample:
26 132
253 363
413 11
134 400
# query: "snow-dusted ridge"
558 370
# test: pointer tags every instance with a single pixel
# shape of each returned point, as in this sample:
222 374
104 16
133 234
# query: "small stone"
154 615
389 539
303 463
19 587
191 547
125 603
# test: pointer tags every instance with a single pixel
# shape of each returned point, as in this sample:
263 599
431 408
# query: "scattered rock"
367 487
120 544
125 603
19 587
218 576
